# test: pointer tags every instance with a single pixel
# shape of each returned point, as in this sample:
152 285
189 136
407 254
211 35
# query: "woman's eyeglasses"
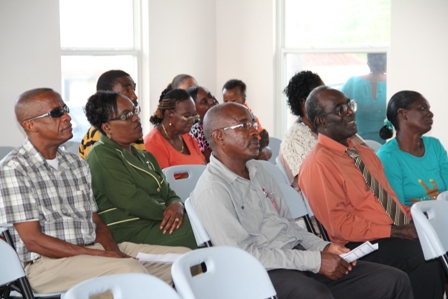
187 118
55 113
128 115
343 109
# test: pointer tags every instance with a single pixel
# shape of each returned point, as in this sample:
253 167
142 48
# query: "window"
96 36
328 37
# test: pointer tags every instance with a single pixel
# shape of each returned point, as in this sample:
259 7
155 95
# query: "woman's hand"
173 216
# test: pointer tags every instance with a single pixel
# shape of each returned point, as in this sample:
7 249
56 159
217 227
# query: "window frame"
281 108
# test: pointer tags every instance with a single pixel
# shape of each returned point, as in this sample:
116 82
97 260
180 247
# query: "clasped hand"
173 216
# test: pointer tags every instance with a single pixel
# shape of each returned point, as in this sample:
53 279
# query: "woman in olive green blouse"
133 197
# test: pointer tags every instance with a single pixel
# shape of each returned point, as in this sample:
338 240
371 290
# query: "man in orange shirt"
341 199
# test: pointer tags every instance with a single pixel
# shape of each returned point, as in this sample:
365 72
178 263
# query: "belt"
32 262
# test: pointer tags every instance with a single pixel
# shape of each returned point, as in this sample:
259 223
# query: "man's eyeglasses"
55 113
343 109
246 126
128 115
187 118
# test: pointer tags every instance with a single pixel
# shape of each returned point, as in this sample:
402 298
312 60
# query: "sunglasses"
55 113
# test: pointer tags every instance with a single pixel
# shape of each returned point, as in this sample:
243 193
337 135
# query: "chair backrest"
443 196
297 205
282 168
128 285
431 224
274 144
71 146
275 171
183 186
230 273
12 268
375 145
200 234
4 150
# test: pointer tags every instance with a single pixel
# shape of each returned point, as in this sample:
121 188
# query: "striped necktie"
391 207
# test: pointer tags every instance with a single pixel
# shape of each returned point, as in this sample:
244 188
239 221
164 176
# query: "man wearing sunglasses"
348 192
113 80
241 204
46 201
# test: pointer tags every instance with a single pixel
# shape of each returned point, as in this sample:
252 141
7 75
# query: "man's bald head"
27 102
217 117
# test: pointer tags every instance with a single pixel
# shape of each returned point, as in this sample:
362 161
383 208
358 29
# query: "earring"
169 124
109 135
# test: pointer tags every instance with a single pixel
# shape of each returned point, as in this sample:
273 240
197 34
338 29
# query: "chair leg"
309 224
25 288
323 232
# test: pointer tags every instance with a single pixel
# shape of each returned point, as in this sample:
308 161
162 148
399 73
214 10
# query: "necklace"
180 138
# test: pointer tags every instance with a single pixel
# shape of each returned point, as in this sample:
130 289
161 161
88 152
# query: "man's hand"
336 248
173 217
404 232
333 266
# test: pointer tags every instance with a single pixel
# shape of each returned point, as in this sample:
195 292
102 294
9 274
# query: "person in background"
301 137
182 81
348 192
133 198
204 100
416 165
235 91
49 208
113 80
170 141
240 204
369 91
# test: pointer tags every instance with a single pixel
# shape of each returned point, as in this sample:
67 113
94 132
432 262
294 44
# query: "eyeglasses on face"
54 113
128 115
342 110
246 126
187 118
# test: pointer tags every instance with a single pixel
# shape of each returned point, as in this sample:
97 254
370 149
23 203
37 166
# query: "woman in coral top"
170 141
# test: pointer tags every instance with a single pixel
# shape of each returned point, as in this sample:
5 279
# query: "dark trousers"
365 281
427 277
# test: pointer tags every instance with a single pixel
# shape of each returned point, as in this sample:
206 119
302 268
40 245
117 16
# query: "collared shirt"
339 196
61 200
239 212
93 135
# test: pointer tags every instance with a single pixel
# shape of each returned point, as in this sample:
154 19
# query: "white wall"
29 56
245 50
418 57
182 39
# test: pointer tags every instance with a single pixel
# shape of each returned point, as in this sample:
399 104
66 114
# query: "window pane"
96 24
333 23
334 69
79 76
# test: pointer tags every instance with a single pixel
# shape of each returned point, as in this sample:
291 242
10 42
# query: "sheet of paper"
167 258
359 252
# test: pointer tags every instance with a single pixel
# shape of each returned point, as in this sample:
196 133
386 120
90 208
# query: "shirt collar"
34 157
333 145
217 167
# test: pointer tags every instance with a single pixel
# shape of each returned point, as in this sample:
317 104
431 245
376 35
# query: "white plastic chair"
128 285
297 205
230 273
12 272
183 186
431 222
375 145
282 168
275 171
443 196
274 144
4 150
200 234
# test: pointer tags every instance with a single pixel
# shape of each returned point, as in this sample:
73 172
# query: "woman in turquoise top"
415 165
369 91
